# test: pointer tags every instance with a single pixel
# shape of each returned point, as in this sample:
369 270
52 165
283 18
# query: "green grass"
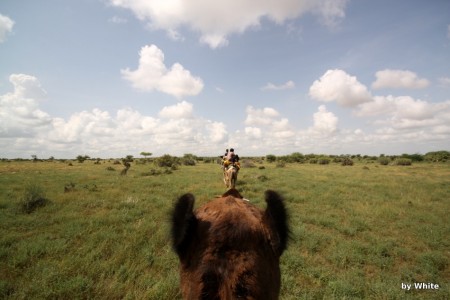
356 232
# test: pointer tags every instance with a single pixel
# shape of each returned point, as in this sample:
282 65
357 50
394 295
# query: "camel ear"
184 224
277 217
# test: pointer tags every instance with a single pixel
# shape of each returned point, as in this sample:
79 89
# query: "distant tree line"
296 157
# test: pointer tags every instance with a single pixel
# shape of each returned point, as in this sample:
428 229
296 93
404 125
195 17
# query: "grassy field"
358 232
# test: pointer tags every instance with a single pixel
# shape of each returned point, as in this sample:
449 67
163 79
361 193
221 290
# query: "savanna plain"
357 232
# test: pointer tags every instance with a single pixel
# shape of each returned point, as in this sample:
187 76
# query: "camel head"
229 248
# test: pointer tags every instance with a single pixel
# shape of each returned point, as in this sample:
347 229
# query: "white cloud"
265 130
152 74
325 122
27 86
263 116
215 21
6 26
403 107
19 111
448 31
270 86
337 85
180 110
217 132
331 12
253 132
391 123
399 79
25 129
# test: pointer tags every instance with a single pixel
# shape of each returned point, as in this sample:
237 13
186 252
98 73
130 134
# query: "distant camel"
228 248
230 176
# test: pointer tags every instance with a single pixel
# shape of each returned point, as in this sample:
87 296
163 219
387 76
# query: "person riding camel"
233 159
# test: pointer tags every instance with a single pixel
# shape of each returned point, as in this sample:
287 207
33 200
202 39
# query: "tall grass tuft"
33 197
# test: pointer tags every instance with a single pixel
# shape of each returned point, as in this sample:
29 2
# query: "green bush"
323 161
347 161
437 156
168 161
384 161
189 160
403 162
271 158
313 161
32 198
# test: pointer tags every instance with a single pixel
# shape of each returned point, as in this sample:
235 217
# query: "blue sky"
110 78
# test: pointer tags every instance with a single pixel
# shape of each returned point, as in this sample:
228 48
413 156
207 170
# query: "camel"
230 176
229 248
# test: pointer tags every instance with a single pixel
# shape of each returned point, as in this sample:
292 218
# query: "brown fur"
228 248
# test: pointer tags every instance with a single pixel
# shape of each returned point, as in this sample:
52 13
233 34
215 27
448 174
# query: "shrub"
32 198
347 161
82 158
337 159
413 157
297 157
189 160
403 162
438 156
281 164
271 158
70 187
384 161
248 163
168 161
262 178
313 160
323 161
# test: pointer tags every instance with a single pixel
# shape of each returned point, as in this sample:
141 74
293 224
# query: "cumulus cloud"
25 129
253 132
405 112
337 85
264 116
217 132
180 110
19 111
325 122
266 130
152 74
215 21
398 79
6 26
391 122
272 87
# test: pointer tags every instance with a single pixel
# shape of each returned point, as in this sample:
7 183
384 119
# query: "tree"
82 158
145 154
128 158
271 158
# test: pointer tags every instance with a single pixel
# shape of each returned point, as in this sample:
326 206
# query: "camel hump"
233 192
